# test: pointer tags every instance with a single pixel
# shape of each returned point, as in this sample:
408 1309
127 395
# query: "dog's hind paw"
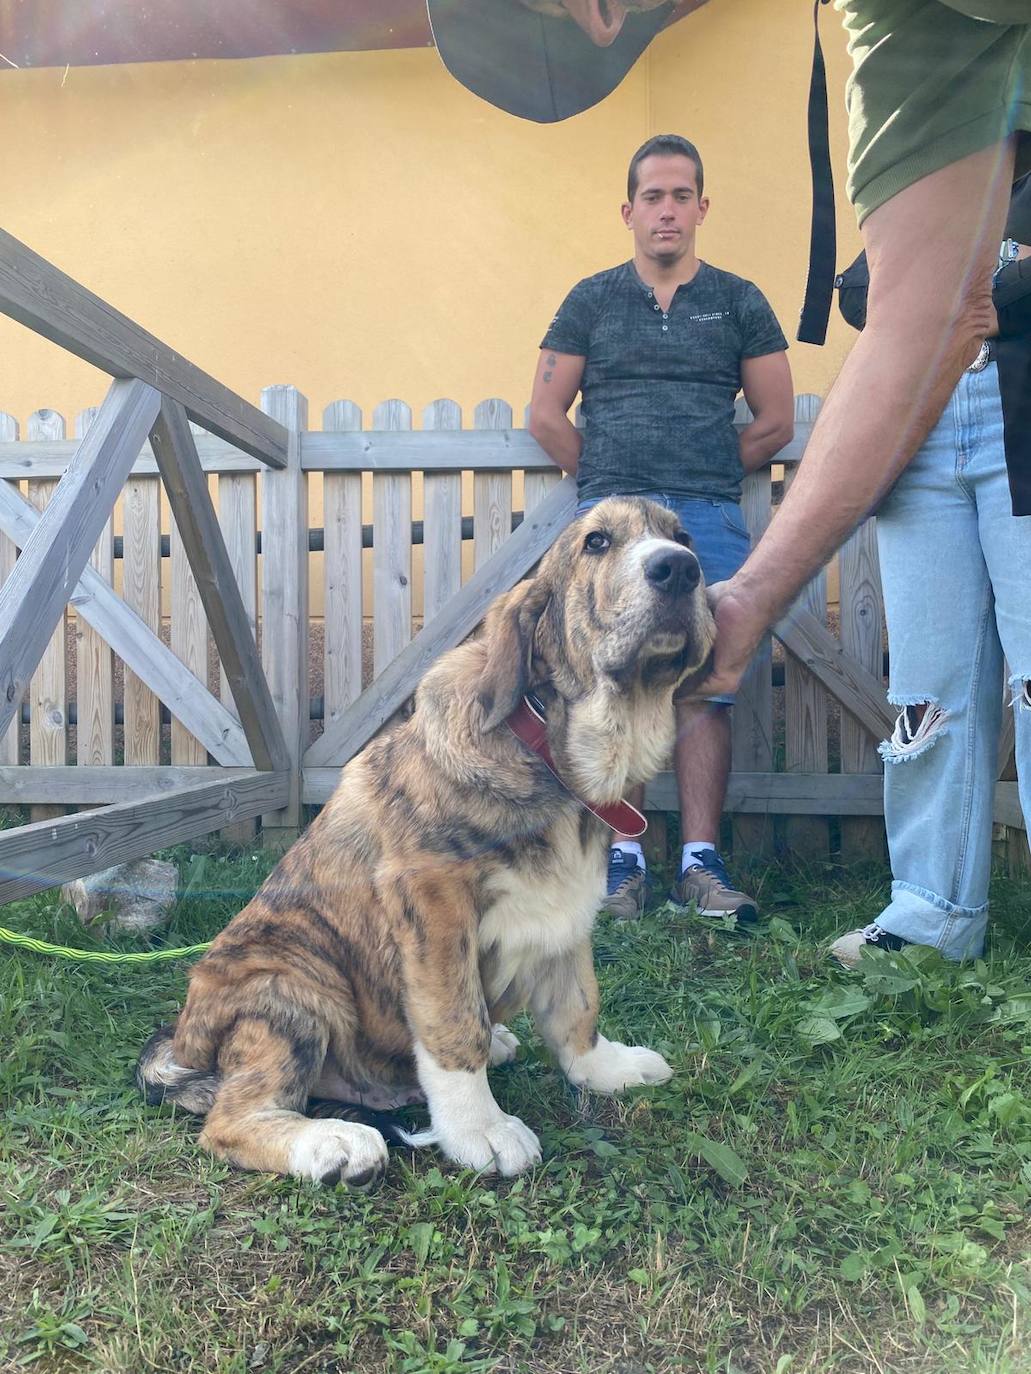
505 1146
503 1045
334 1151
611 1067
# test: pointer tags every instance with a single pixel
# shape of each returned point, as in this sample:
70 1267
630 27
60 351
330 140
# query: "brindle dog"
451 880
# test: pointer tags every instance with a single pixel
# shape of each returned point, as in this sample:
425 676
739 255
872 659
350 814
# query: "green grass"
837 1178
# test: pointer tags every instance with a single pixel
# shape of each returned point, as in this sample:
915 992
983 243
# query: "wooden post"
442 520
189 497
48 694
492 491
344 583
189 642
862 632
141 591
284 625
392 548
238 518
1012 848
805 703
752 722
9 751
94 689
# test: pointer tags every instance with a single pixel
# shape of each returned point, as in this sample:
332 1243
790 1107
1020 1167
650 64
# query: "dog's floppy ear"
508 633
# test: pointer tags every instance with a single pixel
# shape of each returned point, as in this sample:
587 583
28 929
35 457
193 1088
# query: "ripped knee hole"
918 726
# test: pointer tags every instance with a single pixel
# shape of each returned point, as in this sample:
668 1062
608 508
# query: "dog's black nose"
673 571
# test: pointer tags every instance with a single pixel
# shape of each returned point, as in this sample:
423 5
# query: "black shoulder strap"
819 288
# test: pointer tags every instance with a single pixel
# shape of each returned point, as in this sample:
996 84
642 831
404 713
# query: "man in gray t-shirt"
659 348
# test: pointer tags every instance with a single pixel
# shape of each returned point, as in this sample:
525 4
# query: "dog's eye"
597 541
683 538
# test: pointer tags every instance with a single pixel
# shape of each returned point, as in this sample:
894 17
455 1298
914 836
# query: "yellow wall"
359 225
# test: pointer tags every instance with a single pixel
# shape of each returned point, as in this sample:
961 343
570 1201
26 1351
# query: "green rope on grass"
97 956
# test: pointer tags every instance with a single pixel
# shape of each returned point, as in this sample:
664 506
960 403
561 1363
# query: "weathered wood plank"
857 690
33 598
1007 737
752 720
756 794
786 794
284 627
401 452
327 451
442 519
519 553
421 450
344 611
537 485
41 296
48 690
74 786
1007 808
238 519
136 644
861 634
1012 845
492 491
94 688
187 488
141 589
392 551
805 704
51 852
8 554
50 458
189 638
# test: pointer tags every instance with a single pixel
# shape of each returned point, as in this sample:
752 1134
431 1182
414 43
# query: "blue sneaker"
627 889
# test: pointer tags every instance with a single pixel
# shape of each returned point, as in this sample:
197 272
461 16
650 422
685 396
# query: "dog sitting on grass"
452 880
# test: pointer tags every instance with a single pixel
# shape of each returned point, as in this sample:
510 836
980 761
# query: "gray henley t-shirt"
659 386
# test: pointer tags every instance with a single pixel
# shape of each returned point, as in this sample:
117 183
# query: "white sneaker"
848 948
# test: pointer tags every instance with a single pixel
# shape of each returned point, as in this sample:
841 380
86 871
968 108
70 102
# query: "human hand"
739 628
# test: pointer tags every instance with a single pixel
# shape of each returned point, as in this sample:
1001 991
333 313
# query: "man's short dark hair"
663 145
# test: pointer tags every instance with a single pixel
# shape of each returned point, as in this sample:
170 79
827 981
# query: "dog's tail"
160 1079
391 1127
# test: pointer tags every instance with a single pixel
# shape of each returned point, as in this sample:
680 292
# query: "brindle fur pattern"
450 881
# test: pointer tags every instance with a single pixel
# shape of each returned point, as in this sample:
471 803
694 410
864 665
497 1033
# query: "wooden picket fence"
806 774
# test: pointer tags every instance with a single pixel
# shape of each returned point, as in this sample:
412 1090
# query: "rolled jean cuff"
924 918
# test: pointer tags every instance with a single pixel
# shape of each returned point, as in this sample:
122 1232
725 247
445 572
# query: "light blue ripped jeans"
956 572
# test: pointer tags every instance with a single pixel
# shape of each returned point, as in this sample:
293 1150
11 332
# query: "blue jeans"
718 531
956 572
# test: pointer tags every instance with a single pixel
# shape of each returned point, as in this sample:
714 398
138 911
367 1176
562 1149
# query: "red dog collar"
530 727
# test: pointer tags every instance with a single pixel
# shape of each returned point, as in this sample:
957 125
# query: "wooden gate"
153 393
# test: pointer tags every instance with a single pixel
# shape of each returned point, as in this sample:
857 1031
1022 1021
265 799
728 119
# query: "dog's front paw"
505 1146
503 1045
331 1151
610 1067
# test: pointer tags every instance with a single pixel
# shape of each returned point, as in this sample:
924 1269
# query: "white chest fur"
614 741
542 910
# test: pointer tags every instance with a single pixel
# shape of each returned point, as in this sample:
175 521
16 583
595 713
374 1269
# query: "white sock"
691 854
633 847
